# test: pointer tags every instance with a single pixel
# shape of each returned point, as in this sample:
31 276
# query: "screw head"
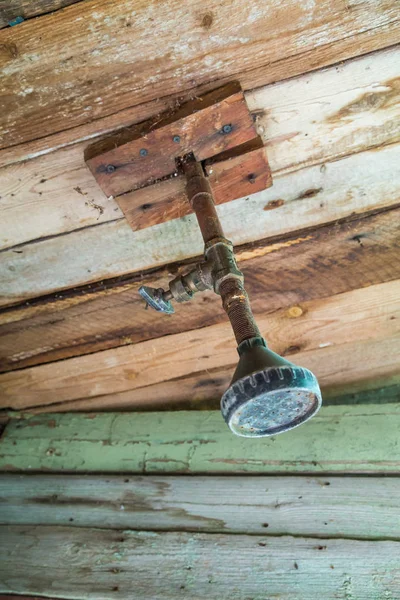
110 168
143 152
176 139
227 129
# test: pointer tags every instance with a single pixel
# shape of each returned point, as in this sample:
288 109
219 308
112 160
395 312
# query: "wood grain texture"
199 131
306 120
203 391
337 440
121 65
11 9
336 258
230 179
366 507
320 329
353 185
105 564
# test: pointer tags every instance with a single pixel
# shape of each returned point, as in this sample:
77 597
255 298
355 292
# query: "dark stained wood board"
230 179
126 54
335 258
196 128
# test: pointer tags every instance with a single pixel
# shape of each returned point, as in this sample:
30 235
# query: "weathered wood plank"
366 507
197 127
336 440
203 389
359 316
353 185
11 9
336 258
313 118
230 179
104 564
121 65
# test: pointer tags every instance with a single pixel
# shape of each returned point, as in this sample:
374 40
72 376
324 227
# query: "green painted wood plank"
351 439
106 564
347 507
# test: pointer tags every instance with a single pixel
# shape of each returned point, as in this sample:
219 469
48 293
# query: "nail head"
176 139
143 152
227 129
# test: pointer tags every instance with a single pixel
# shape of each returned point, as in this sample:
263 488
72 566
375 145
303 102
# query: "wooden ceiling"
319 250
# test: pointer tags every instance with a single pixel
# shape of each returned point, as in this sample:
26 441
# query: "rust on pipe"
201 199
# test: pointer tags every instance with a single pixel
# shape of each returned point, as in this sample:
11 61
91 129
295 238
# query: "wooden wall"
175 506
321 244
102 505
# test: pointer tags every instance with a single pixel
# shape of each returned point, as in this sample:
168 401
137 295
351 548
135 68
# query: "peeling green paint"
355 439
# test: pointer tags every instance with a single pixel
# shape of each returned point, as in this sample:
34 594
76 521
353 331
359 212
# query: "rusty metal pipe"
268 394
201 199
231 289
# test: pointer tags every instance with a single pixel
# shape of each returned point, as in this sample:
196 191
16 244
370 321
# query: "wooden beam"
335 258
11 9
317 332
307 120
259 505
197 127
337 440
230 179
353 185
121 65
104 564
203 389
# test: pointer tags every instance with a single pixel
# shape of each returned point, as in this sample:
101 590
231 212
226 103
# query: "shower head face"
271 401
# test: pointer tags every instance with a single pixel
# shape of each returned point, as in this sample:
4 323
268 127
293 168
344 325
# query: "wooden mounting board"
142 171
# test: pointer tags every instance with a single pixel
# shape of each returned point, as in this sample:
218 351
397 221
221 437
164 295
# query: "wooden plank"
350 318
109 39
336 258
203 389
313 118
230 179
337 440
356 184
196 128
11 9
104 564
259 505
332 83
